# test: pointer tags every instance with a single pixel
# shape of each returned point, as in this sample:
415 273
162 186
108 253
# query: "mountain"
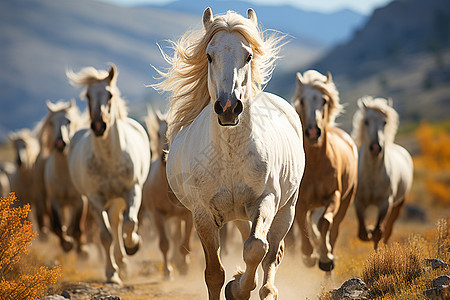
40 39
403 52
325 28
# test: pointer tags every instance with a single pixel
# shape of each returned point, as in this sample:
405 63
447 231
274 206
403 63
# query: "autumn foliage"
20 278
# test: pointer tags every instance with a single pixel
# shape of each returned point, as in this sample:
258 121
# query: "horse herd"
225 151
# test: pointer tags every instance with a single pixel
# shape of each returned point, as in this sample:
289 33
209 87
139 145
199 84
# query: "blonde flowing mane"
378 104
91 75
187 78
327 87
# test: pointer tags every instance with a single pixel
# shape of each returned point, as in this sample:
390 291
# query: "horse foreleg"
326 257
361 216
280 226
130 225
163 243
59 229
79 226
345 203
185 247
255 248
208 232
106 237
303 217
384 211
390 222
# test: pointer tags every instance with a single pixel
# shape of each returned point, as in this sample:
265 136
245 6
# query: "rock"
435 263
53 297
441 280
353 288
438 293
414 213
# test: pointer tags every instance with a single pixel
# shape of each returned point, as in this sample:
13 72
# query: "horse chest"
111 178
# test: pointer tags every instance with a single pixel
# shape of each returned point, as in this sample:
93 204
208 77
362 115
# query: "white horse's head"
104 102
61 124
375 124
317 103
229 56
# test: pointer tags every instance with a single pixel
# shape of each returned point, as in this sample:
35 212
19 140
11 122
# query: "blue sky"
362 6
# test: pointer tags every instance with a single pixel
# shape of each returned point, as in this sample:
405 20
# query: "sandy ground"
85 279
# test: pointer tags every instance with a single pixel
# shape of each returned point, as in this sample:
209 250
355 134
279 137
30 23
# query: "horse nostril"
238 108
218 108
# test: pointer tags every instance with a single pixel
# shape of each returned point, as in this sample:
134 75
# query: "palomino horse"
235 152
27 148
331 167
58 128
156 197
385 169
108 164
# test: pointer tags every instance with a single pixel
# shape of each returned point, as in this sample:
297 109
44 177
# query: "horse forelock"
90 75
382 106
318 81
186 79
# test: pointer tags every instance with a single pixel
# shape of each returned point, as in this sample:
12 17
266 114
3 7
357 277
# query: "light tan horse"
330 175
62 121
27 148
157 200
7 169
385 169
109 164
235 152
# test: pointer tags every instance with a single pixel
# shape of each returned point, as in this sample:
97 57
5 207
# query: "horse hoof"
115 280
67 244
326 266
228 292
309 261
133 250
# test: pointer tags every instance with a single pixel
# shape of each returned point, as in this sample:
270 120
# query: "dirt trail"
84 279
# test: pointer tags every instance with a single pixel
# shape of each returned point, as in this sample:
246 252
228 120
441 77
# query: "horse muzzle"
60 145
375 149
313 133
228 108
98 127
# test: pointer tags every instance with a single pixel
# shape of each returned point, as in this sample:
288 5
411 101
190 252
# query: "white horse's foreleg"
281 224
255 248
384 212
208 232
163 243
102 219
361 215
130 225
326 257
115 215
303 216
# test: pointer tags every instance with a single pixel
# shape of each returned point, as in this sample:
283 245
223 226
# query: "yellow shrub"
20 279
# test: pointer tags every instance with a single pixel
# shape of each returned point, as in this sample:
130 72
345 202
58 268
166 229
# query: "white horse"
57 129
108 164
385 169
236 152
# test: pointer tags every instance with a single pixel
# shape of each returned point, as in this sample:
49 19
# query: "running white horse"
385 169
108 164
57 129
236 152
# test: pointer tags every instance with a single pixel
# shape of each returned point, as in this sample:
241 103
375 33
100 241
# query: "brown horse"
159 202
331 167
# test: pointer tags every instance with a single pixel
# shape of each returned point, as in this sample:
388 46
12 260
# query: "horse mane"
43 130
32 145
378 104
187 78
320 82
91 75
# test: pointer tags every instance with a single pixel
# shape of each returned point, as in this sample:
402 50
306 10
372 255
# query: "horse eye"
249 58
324 101
366 122
109 95
384 123
209 58
301 102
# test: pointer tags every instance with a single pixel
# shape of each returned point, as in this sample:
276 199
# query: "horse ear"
300 80
207 18
50 106
159 115
251 15
329 77
361 103
112 73
73 103
390 102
